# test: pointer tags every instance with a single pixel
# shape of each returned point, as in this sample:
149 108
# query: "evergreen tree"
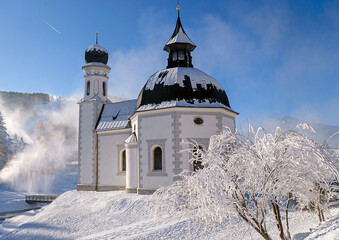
4 142
17 144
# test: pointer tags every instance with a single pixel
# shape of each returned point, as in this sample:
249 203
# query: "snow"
13 201
177 75
330 230
131 139
119 215
181 103
96 47
181 37
115 115
110 215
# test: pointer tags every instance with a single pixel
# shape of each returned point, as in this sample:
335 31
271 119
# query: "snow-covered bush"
254 180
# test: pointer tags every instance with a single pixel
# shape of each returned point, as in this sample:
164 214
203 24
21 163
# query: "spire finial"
178 7
97 34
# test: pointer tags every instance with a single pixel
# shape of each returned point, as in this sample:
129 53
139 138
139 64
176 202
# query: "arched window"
104 88
197 164
123 160
157 159
88 88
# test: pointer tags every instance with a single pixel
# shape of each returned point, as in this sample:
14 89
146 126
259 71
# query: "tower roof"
180 85
179 37
96 53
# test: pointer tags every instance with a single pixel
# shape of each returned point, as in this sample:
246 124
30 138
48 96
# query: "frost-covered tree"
254 180
17 145
4 142
40 131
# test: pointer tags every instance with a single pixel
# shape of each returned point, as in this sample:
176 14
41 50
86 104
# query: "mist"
51 133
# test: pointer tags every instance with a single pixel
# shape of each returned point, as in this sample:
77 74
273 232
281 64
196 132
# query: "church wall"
199 132
228 122
155 129
87 120
166 128
213 121
110 146
191 130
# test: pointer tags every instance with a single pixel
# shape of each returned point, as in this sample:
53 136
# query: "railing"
39 198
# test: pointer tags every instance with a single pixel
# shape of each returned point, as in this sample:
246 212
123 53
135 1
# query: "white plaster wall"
185 156
228 122
191 130
96 74
156 127
209 127
109 159
86 160
131 166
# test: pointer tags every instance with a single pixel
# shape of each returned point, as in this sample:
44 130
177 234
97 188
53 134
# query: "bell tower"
96 72
95 97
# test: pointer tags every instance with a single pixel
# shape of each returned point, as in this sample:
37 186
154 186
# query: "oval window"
198 120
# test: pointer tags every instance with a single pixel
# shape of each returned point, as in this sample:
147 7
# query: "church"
137 145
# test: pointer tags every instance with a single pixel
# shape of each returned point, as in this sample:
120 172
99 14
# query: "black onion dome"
183 87
96 53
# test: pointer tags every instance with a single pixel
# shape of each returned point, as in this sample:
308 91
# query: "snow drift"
119 215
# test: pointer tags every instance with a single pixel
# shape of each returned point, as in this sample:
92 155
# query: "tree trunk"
320 214
276 212
262 231
286 212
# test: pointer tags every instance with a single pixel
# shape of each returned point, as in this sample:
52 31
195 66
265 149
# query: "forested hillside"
14 99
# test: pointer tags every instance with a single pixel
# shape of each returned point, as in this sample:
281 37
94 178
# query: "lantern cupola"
179 47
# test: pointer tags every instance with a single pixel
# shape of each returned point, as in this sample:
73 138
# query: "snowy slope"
13 200
118 215
103 215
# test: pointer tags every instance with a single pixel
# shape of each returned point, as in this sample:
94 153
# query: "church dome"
186 86
96 53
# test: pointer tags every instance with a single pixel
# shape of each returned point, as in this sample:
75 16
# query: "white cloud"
130 70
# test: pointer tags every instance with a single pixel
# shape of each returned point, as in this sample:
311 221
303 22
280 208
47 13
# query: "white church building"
136 145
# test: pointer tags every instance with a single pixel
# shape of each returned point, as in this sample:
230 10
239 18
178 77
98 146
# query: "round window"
198 120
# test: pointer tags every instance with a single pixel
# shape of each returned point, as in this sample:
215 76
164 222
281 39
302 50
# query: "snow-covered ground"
119 215
12 200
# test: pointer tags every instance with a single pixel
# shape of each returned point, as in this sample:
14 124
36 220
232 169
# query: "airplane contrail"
52 27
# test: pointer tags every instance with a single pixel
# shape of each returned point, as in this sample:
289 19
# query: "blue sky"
274 58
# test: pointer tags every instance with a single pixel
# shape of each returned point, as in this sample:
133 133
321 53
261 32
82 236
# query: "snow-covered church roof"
115 115
181 86
97 54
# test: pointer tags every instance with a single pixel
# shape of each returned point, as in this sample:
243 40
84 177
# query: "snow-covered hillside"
118 215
